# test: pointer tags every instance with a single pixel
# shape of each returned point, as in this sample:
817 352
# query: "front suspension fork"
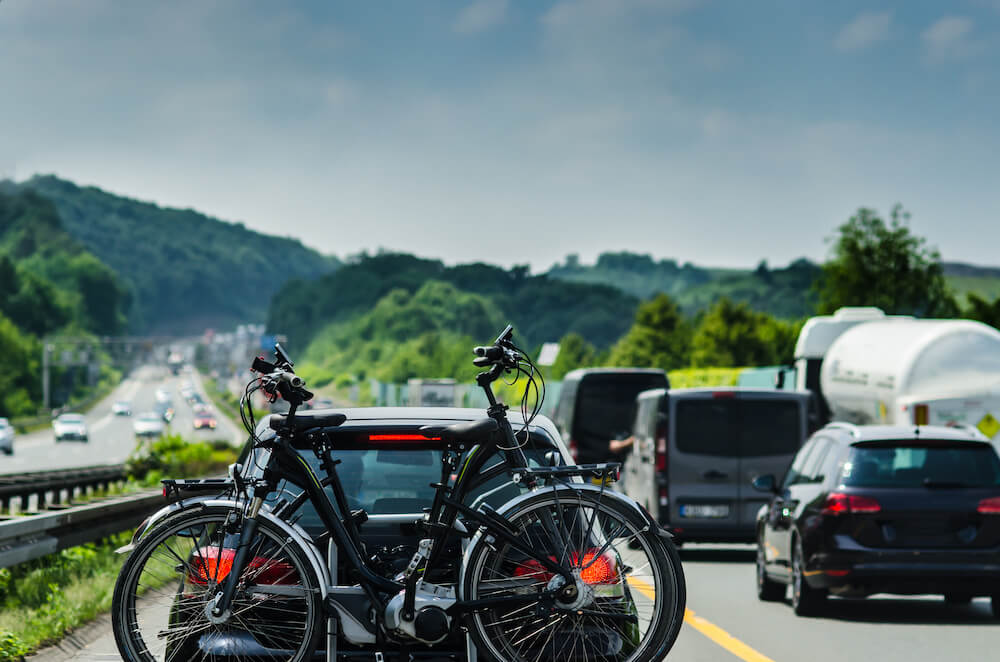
248 530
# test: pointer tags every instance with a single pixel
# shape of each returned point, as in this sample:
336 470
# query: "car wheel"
768 590
957 598
806 600
8 451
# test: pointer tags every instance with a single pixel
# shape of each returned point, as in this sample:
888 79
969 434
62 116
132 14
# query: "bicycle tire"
176 568
654 596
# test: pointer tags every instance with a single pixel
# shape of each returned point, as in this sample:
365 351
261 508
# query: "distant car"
121 408
204 418
6 437
882 509
165 409
70 427
162 395
149 424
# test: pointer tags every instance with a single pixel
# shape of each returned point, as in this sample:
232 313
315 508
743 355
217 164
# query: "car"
696 450
165 409
149 424
204 418
70 427
597 405
6 437
908 510
386 468
121 408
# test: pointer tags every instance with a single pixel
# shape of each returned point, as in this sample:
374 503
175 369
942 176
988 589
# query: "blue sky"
517 132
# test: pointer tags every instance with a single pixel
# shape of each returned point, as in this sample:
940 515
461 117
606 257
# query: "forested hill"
184 271
541 308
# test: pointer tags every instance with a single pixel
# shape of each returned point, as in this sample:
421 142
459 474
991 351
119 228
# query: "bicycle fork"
219 610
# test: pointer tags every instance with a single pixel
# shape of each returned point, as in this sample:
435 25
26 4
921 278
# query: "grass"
43 600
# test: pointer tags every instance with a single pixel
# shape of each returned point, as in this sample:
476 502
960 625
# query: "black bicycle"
569 570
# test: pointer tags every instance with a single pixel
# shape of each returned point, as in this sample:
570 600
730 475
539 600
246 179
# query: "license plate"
704 510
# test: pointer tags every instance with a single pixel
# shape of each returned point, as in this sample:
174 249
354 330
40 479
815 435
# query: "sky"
716 132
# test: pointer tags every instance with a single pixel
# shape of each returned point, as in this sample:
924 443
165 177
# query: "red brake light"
401 437
661 454
989 506
594 569
209 565
838 503
718 395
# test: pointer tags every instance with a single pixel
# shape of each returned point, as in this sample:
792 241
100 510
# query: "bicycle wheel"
160 608
629 597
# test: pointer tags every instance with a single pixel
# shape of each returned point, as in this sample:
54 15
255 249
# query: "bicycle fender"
514 503
296 533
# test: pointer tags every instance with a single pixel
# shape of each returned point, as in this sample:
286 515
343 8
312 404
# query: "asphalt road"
111 437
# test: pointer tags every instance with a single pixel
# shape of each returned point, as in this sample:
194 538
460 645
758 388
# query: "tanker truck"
914 372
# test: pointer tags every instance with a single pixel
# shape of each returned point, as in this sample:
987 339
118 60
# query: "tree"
884 265
731 334
982 310
659 338
574 352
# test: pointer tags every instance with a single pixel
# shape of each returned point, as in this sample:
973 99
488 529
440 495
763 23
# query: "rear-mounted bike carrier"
604 471
175 489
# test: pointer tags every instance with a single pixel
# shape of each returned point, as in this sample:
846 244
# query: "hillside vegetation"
184 271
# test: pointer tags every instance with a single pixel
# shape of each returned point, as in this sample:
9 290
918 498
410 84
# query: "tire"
652 591
768 590
957 598
806 600
165 584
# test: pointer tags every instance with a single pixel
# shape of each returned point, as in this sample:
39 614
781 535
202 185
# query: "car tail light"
210 564
661 454
989 506
593 570
838 503
921 415
401 437
572 448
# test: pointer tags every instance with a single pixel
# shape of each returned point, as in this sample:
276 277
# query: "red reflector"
838 503
989 506
401 437
594 569
837 573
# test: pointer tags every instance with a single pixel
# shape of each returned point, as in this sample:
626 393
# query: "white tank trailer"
911 371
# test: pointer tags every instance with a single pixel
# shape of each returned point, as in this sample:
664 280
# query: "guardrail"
62 484
26 538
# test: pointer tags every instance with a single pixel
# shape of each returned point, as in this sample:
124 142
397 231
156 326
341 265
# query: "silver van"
697 450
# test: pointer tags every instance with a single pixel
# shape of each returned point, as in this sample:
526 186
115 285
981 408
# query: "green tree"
574 352
981 310
731 334
875 263
659 338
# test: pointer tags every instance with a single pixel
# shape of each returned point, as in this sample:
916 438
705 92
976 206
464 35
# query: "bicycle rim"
629 591
160 610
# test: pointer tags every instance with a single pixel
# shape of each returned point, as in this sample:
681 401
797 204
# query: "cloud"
948 38
868 28
480 15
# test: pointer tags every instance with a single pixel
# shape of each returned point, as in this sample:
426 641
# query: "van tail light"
661 454
572 448
210 564
921 415
838 503
989 506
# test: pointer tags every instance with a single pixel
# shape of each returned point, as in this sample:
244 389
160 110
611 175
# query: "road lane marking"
707 628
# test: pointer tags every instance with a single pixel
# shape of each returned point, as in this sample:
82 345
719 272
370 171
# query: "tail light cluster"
838 503
573 451
210 564
989 506
594 569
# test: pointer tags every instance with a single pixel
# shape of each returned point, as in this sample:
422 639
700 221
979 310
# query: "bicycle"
567 570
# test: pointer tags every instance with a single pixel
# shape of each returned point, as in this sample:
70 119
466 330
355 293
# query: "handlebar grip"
492 353
481 362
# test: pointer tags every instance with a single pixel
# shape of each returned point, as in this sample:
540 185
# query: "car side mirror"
765 483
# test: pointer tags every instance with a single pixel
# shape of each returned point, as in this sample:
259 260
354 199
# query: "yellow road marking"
710 630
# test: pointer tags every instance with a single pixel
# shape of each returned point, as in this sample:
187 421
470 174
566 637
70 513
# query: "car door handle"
714 474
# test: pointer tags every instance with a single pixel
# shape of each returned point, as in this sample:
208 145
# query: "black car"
386 467
883 509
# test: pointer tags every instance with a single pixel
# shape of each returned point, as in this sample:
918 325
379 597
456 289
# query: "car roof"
860 433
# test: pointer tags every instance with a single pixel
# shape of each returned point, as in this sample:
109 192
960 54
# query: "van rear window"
605 405
907 465
739 428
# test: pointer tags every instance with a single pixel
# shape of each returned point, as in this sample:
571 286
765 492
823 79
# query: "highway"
111 437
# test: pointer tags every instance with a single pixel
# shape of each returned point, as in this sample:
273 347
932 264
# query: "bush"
172 456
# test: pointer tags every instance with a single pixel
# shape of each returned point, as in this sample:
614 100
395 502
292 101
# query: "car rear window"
921 465
738 428
605 404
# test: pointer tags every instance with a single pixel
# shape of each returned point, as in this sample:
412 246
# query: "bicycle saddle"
308 420
472 431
